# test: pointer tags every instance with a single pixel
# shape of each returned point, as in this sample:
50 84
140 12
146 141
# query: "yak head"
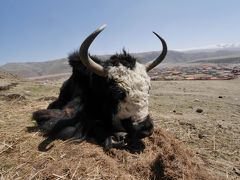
134 81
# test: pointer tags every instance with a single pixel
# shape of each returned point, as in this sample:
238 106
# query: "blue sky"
32 30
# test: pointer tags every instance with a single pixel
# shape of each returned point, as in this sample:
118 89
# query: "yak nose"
143 129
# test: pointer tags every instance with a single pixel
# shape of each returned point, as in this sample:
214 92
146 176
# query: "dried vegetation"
185 145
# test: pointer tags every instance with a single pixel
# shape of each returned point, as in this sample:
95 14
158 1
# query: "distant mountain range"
215 47
222 53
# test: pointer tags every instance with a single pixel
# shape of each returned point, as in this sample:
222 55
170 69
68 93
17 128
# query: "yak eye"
119 93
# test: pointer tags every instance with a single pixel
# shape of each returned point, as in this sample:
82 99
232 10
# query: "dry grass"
165 157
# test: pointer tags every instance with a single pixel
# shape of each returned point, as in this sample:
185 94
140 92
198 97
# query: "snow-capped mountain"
213 47
229 45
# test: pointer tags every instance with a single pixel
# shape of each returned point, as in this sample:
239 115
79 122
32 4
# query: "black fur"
87 104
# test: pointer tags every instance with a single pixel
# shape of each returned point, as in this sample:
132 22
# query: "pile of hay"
164 157
173 160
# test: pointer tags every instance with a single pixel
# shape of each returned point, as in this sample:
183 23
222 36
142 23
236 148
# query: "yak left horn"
86 59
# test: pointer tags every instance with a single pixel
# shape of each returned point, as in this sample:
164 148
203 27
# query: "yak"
106 101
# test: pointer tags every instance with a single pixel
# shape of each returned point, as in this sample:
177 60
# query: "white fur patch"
136 83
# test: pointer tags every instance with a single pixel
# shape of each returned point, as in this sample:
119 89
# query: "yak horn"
150 65
86 59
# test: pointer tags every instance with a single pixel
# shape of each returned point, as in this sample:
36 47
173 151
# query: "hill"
60 66
7 80
34 69
229 60
6 75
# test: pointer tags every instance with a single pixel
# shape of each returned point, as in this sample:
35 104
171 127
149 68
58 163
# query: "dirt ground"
197 136
215 133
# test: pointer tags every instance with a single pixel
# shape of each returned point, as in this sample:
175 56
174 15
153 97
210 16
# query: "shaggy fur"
136 84
102 108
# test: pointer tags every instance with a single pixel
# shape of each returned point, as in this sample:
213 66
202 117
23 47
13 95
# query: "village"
197 72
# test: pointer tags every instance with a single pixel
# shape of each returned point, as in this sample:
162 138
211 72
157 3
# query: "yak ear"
86 59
